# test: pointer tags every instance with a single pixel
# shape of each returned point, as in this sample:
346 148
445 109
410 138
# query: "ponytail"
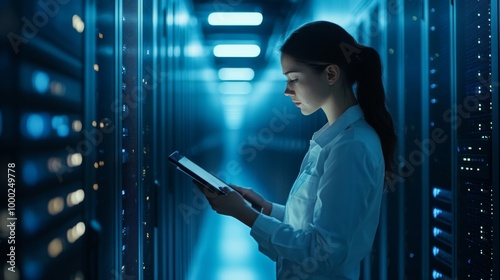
371 98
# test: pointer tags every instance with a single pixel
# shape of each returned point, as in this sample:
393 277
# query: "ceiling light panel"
235 19
236 74
236 50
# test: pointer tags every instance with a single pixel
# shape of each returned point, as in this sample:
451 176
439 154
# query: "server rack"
475 232
460 197
45 93
126 86
451 80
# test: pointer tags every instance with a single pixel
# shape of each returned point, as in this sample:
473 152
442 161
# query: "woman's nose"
289 92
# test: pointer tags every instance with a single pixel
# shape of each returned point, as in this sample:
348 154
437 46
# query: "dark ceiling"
276 16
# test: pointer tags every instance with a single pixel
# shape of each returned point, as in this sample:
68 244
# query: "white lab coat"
331 216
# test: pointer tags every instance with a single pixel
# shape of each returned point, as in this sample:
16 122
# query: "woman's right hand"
254 198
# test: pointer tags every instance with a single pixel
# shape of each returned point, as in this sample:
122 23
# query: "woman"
330 218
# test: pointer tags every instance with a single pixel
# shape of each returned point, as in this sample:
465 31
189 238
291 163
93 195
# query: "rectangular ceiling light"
235 19
235 87
236 50
236 74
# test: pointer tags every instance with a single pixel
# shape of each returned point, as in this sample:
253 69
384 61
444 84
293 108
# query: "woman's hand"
255 198
230 204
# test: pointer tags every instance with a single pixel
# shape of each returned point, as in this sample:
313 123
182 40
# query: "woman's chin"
306 112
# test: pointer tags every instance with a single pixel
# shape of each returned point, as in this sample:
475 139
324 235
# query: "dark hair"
320 43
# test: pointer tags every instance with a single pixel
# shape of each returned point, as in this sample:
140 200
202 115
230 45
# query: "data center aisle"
226 251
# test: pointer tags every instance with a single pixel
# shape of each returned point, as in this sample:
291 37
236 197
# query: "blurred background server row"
95 94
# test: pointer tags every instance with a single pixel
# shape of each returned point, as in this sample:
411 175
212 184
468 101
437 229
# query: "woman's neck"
338 103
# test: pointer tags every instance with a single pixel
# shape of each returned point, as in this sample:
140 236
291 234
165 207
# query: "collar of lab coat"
329 132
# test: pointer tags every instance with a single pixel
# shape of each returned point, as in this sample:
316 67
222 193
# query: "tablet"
196 172
201 175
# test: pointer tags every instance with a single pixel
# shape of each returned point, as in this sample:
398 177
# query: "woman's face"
307 88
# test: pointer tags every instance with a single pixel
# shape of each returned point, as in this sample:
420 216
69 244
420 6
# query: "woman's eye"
293 81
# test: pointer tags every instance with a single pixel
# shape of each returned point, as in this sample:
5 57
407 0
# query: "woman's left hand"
233 204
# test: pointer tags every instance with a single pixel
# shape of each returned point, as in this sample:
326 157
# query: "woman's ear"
332 73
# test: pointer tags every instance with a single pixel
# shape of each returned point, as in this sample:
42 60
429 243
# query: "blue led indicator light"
40 81
30 173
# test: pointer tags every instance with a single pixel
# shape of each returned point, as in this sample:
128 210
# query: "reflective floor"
226 251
